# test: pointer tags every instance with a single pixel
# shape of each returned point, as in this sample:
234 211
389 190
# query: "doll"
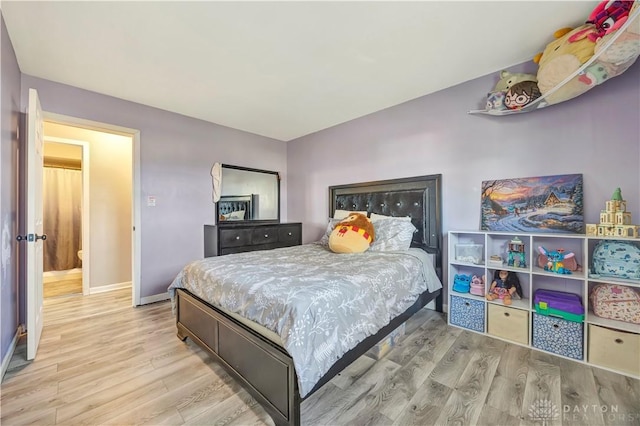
505 286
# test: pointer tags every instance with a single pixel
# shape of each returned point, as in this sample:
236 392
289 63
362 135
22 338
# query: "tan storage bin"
614 349
509 323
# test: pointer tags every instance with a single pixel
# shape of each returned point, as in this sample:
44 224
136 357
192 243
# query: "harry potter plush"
353 234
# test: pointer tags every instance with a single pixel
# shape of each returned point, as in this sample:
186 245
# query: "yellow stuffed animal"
560 59
353 234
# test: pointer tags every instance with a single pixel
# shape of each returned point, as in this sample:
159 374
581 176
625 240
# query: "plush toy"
561 58
505 286
353 234
614 58
521 94
508 79
495 101
556 259
607 17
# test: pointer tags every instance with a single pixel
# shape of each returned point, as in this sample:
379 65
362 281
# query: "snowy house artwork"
615 220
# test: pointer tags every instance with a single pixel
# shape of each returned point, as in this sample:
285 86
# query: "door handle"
31 237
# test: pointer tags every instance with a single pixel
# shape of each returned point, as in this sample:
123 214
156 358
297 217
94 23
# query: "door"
35 144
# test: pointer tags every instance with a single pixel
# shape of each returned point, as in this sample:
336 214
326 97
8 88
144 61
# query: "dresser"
237 238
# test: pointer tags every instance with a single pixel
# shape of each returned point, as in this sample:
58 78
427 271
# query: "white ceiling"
278 69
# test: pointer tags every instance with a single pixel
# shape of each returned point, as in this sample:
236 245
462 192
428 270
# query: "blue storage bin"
559 336
467 313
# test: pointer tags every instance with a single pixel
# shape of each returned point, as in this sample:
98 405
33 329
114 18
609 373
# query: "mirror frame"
256 221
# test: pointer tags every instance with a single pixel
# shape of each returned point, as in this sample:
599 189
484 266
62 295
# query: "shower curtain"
62 218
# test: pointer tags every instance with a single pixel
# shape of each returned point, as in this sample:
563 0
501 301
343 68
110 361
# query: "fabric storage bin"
508 323
467 313
559 336
385 345
614 349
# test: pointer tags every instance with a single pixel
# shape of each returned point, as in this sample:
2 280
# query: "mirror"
248 195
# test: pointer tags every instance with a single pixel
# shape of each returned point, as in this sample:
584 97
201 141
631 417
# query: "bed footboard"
265 370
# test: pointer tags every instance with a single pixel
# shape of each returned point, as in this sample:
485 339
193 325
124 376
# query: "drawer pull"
266 235
289 234
506 314
238 237
619 341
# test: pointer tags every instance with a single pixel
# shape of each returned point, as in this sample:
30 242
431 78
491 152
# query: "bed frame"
264 368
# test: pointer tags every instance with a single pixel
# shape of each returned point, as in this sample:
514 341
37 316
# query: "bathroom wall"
110 193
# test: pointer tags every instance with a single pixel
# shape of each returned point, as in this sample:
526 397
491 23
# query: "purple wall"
596 134
9 118
176 155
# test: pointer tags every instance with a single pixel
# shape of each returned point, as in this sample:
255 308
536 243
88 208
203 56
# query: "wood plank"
103 362
542 400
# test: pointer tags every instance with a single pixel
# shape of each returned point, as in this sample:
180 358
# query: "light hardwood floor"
62 288
101 361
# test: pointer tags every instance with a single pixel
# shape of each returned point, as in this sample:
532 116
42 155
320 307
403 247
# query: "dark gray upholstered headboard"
417 197
236 203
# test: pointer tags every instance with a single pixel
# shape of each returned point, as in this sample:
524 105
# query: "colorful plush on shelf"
555 260
505 286
616 302
353 234
608 16
477 285
561 58
462 283
570 263
615 220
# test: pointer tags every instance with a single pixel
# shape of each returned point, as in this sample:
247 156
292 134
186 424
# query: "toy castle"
615 220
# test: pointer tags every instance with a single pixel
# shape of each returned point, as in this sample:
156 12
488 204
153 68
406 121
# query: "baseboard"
12 347
110 287
155 298
53 276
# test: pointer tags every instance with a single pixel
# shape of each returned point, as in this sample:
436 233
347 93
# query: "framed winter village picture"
546 204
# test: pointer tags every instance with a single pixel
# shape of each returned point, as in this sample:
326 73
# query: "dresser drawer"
614 349
508 323
290 234
235 237
264 235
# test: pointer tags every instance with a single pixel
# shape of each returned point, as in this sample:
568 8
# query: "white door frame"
86 176
135 234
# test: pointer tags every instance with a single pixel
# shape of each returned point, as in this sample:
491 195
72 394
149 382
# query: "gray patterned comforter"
320 303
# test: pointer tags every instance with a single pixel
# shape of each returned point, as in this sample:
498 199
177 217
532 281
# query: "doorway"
108 247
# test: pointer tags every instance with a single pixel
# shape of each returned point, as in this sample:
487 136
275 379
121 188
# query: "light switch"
151 201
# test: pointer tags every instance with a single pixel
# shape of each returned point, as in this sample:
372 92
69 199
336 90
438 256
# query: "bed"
266 358
236 207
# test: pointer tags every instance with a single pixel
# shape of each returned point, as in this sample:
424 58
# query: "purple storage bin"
559 300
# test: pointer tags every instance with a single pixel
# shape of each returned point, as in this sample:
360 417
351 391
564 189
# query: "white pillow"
237 215
341 214
330 225
392 234
375 216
